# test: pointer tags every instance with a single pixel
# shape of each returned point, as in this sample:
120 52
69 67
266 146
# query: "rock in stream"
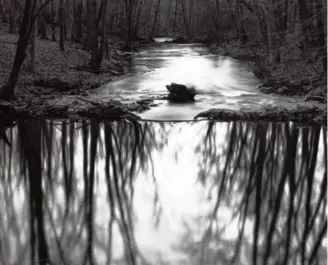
181 93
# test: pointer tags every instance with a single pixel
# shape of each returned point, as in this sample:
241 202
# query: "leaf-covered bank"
296 73
67 107
310 115
58 72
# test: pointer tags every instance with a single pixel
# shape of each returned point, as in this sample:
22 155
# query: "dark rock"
84 93
181 93
145 101
246 57
266 90
179 40
204 39
143 40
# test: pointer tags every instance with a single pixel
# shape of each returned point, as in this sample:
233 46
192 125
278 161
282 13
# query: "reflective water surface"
162 193
220 81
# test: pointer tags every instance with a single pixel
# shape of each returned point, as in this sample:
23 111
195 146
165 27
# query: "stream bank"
57 72
61 87
77 108
297 73
59 79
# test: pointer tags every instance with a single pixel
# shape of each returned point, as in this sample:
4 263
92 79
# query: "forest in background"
274 31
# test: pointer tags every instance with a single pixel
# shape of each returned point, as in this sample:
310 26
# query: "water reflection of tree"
268 175
265 173
48 173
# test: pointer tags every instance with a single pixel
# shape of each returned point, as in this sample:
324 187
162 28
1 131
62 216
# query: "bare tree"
152 32
42 26
61 15
29 17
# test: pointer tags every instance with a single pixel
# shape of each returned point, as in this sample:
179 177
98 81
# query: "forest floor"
57 71
60 80
297 74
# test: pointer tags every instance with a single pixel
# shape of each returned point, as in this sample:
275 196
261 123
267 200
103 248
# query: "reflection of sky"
181 197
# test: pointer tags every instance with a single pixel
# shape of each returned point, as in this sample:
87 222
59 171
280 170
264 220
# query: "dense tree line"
273 24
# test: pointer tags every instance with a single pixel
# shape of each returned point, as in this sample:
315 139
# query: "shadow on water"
162 193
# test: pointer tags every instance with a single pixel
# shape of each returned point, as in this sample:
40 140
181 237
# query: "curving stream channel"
162 192
220 81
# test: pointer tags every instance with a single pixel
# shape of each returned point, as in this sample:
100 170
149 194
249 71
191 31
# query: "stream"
159 192
220 82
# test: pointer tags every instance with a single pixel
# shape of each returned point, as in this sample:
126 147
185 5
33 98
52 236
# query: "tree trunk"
2 7
241 30
168 21
87 44
175 15
12 11
217 12
152 32
270 31
42 23
284 23
53 27
137 20
66 10
303 16
129 24
78 20
185 18
62 26
257 10
93 41
148 19
191 21
103 31
321 32
8 91
73 28
31 49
